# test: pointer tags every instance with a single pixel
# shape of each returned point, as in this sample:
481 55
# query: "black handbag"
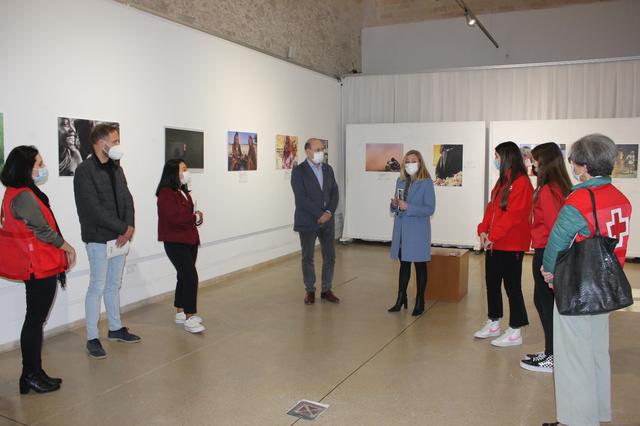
588 279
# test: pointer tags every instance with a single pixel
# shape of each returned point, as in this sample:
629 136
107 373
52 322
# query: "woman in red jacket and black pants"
553 185
505 233
177 221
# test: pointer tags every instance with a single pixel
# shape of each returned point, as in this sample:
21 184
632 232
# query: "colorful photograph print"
1 140
626 164
185 144
286 152
74 142
447 161
242 151
325 143
525 150
383 157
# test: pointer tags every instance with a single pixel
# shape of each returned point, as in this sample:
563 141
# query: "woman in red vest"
505 233
582 370
553 185
177 221
32 250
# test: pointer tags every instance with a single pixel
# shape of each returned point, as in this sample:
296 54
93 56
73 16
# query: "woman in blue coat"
413 204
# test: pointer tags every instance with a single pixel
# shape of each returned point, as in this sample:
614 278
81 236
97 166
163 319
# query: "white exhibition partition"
534 132
117 63
458 209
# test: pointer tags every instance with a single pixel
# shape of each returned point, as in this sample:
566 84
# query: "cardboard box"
448 274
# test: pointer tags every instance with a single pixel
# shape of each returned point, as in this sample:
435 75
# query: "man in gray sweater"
105 209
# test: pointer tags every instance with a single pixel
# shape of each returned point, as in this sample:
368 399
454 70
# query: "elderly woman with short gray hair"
582 370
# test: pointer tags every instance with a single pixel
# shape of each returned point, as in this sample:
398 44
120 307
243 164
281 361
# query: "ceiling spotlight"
471 20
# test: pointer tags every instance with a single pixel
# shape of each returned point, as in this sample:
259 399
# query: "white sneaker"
192 325
490 328
181 317
511 337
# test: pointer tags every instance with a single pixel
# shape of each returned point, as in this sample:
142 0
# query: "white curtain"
588 90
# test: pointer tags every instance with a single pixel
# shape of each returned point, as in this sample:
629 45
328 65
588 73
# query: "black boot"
51 380
36 382
402 300
419 308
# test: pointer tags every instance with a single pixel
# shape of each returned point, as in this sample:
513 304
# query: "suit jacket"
453 163
311 201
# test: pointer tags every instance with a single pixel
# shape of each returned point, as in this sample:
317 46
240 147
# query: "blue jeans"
106 277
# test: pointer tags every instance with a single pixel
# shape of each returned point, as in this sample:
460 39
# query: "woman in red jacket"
505 233
552 187
32 250
177 221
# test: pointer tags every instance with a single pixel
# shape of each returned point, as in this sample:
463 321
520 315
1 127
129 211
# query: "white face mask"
115 152
185 178
411 168
318 157
43 173
575 175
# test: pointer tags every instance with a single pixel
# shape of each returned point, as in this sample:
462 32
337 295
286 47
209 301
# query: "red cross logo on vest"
618 228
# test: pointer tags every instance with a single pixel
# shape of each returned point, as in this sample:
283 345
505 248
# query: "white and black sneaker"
531 356
542 363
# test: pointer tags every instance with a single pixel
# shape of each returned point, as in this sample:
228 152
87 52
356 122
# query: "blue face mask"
43 173
496 163
575 175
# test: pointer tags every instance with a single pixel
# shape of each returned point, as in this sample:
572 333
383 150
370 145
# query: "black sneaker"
123 335
94 347
542 363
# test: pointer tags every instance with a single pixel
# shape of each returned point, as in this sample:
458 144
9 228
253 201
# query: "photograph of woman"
413 204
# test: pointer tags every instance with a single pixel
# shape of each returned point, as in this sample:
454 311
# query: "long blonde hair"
422 172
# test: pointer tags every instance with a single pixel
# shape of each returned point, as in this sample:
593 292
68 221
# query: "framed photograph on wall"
74 142
626 164
383 157
286 152
447 161
185 144
242 151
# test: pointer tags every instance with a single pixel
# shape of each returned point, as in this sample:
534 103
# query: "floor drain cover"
307 410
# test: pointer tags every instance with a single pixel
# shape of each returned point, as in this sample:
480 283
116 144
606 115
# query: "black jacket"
102 218
311 201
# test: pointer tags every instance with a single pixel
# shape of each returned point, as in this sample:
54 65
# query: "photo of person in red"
505 234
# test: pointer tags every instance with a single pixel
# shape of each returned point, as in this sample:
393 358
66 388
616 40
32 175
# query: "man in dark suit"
316 196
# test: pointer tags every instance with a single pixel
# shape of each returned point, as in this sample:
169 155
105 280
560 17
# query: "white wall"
98 59
598 30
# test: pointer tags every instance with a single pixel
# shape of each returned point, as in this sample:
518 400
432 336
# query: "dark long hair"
18 169
171 176
551 168
510 161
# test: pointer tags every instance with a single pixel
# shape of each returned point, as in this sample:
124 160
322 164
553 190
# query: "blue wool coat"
412 227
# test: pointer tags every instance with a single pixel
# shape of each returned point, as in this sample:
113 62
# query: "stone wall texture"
320 34
324 34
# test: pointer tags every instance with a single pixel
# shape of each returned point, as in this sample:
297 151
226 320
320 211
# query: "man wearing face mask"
105 209
316 197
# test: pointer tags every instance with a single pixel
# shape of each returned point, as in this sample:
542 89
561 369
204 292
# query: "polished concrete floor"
264 350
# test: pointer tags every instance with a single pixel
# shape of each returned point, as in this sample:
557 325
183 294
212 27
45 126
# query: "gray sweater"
25 207
103 200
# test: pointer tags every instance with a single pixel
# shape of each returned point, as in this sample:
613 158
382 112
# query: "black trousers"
543 299
326 235
507 266
183 257
40 295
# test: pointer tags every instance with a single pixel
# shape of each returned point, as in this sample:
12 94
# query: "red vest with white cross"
614 214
